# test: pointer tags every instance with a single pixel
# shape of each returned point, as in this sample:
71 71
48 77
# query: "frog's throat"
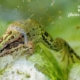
14 44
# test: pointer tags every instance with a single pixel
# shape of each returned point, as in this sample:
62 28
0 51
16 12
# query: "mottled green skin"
34 31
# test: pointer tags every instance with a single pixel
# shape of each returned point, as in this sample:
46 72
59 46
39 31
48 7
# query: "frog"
61 45
24 35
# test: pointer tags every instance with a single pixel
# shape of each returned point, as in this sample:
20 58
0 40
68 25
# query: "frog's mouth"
15 44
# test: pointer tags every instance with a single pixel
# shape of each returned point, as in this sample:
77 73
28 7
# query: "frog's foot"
30 46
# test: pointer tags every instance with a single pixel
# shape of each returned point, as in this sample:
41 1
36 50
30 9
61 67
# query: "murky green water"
54 14
61 18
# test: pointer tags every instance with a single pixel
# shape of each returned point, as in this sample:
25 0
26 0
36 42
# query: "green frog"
23 36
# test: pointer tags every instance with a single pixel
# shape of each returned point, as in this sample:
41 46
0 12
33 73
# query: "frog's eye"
22 34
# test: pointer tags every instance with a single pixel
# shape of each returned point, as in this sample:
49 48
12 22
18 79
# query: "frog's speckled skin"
34 32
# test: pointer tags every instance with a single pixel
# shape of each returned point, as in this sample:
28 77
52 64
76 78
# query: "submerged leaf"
47 64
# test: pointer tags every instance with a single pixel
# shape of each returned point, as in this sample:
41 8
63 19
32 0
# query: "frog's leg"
71 53
62 46
69 56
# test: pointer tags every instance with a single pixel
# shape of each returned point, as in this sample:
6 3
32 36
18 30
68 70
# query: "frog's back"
26 25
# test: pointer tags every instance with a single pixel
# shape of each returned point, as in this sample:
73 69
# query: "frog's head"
31 28
11 34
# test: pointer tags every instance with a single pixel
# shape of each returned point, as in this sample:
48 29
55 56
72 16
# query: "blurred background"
53 14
